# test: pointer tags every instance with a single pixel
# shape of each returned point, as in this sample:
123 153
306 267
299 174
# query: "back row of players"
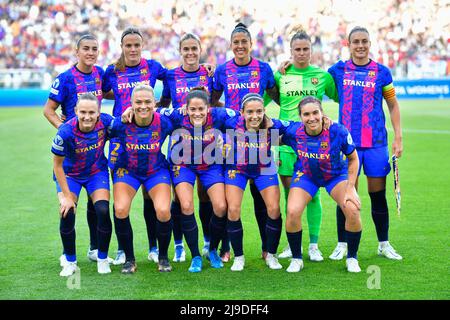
135 157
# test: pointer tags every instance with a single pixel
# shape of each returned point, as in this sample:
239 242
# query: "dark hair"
120 63
300 35
251 97
86 36
87 96
309 99
240 27
198 93
357 29
187 36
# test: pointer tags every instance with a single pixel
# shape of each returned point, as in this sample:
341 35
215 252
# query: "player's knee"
121 211
220 208
234 212
187 206
67 224
273 210
162 213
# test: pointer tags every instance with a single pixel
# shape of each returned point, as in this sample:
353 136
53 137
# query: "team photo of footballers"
226 173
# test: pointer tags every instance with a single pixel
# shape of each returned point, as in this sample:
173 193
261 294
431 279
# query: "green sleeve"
330 89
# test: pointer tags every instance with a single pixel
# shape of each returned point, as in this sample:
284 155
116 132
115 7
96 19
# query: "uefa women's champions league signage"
423 88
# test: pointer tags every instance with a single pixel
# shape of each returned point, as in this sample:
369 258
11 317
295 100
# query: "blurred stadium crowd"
411 37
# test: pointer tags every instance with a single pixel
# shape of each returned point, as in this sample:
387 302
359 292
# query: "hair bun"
240 25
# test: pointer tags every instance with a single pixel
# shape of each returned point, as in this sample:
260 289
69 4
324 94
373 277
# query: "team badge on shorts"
298 175
232 174
176 171
324 145
315 81
121 172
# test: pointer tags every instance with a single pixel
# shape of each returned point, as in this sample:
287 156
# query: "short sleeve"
58 89
330 89
347 144
217 84
60 142
106 80
166 89
269 76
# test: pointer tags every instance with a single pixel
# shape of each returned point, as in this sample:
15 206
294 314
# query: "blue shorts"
239 179
309 185
375 161
99 180
160 176
115 149
208 178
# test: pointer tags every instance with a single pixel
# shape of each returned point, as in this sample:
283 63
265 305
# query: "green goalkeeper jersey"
297 84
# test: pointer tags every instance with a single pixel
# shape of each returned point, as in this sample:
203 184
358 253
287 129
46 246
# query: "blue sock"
273 234
217 228
353 239
71 258
380 214
295 242
190 231
68 236
164 233
92 224
124 234
236 235
260 214
150 222
340 221
205 213
104 227
175 212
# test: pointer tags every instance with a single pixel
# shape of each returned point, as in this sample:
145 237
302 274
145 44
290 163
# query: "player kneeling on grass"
79 161
321 163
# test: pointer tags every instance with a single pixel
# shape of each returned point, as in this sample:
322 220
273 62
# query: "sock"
150 222
314 217
164 233
260 214
124 234
353 239
104 228
225 241
380 214
236 235
67 232
340 221
119 244
92 224
295 243
273 234
217 227
190 231
205 213
175 211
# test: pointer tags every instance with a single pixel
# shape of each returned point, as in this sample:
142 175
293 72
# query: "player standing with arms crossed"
362 84
241 75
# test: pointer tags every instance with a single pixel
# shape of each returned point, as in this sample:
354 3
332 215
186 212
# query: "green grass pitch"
31 244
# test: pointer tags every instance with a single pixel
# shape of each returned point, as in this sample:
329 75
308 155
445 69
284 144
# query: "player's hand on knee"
352 196
65 206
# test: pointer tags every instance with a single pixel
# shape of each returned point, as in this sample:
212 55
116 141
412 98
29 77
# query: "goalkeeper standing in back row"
301 79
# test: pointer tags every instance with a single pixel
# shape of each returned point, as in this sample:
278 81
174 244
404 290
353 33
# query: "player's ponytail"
120 63
240 27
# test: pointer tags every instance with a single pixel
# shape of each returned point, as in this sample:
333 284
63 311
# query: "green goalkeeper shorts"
286 163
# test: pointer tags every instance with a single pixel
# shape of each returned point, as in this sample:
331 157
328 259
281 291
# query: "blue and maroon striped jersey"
83 151
236 81
179 82
122 82
320 157
141 146
69 85
360 90
199 142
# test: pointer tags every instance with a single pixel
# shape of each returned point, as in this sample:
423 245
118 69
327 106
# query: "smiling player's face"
312 118
241 45
359 46
197 111
190 51
87 52
87 113
253 113
132 49
143 104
